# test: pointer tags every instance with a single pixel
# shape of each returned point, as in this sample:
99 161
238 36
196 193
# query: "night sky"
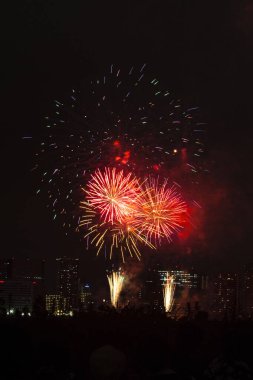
203 50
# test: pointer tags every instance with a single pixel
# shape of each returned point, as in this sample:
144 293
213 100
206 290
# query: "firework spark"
120 237
168 292
113 193
125 118
161 211
115 280
121 212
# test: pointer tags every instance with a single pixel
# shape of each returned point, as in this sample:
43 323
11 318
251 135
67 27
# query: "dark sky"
201 49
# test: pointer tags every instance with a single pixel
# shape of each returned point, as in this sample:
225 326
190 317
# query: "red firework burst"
161 211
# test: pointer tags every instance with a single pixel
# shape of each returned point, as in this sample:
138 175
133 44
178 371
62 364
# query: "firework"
161 211
168 292
122 238
113 194
115 280
126 119
122 213
109 212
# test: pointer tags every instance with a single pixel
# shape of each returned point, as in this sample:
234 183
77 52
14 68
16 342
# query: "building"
183 278
187 288
246 293
68 281
56 304
22 282
32 270
29 269
224 295
16 295
152 289
186 283
85 297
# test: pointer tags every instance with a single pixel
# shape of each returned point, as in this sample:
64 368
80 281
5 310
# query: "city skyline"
221 295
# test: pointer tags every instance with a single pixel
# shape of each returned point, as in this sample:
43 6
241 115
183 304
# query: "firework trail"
168 292
115 280
123 119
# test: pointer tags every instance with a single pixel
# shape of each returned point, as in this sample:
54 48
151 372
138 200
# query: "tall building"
152 289
68 281
85 297
224 295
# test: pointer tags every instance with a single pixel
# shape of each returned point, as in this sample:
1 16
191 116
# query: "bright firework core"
115 283
168 292
112 193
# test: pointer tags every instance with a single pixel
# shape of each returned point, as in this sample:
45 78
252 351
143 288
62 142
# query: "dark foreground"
124 346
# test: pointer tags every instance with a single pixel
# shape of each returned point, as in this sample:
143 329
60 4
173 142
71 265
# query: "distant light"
174 150
11 311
